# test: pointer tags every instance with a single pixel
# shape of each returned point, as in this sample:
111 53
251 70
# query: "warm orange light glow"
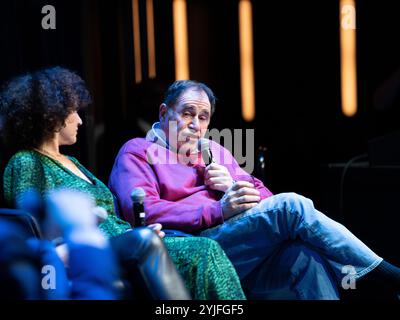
150 39
246 59
348 57
136 41
180 40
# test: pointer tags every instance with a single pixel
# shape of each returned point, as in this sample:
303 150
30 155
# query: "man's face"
187 121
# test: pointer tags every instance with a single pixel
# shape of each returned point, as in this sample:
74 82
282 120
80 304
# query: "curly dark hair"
34 106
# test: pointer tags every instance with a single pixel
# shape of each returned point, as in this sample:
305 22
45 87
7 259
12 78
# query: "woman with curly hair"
40 113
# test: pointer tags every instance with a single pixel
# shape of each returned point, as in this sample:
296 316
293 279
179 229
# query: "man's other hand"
238 198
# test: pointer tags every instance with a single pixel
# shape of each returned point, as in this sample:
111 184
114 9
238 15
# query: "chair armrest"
23 219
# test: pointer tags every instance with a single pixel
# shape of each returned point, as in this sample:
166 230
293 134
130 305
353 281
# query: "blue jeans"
285 245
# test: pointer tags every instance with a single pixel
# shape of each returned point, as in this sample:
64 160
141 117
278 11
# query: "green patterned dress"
207 271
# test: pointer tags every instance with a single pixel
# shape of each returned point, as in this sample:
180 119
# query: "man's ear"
162 111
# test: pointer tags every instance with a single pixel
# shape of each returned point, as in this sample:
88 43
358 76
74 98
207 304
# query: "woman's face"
68 134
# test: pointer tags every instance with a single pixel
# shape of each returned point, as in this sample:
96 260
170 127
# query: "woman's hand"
157 228
63 253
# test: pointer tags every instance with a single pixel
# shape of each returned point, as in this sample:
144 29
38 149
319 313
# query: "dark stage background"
297 77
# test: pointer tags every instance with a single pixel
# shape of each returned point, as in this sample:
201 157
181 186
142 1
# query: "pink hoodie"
176 195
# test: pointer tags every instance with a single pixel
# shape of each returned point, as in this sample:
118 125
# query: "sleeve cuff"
216 215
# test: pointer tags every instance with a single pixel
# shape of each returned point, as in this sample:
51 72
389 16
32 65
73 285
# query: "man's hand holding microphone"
238 196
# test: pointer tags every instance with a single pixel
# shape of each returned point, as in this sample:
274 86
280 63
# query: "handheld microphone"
204 147
137 196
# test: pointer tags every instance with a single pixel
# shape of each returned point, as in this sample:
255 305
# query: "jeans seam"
369 268
290 212
311 229
360 273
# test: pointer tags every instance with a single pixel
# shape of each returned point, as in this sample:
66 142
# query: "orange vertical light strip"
348 57
136 41
180 40
246 59
151 48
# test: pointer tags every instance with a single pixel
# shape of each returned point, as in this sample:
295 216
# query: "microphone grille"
204 144
138 194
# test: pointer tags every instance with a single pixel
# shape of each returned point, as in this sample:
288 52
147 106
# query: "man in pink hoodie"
280 245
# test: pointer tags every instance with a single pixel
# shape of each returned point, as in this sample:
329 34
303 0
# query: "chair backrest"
24 220
116 207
